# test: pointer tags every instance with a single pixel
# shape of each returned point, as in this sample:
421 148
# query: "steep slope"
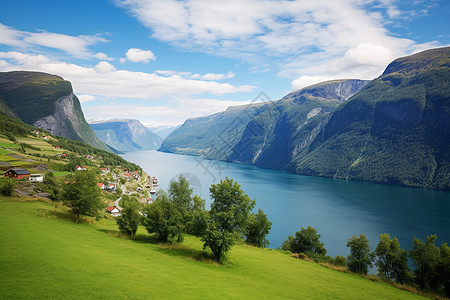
212 136
47 101
395 131
265 134
126 135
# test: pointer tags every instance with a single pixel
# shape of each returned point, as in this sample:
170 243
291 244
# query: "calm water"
336 208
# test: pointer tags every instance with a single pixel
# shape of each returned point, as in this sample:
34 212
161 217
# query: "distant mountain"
396 130
163 131
46 101
393 130
266 134
126 135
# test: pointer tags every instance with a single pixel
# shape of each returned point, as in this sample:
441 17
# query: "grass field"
44 257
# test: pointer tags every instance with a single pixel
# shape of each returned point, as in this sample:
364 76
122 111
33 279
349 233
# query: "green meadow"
43 256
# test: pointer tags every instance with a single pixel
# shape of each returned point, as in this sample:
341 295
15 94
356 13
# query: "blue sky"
165 61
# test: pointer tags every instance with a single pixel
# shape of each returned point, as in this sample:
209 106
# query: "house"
45 138
113 211
104 170
57 147
112 187
36 177
101 185
17 173
83 168
127 175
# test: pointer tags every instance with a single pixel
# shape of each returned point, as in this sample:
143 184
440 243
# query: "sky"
164 61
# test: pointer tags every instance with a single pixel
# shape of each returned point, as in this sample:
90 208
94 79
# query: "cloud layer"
302 39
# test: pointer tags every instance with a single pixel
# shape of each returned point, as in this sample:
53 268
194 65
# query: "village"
113 181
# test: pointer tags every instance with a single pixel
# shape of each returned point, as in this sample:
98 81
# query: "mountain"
46 101
266 134
126 135
392 130
395 131
163 131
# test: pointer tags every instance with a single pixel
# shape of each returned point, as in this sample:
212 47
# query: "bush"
7 186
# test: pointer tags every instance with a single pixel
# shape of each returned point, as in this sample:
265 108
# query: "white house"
36 177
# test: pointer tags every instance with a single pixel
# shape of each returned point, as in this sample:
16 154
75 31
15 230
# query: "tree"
228 216
258 227
164 219
82 194
360 259
306 241
426 259
199 216
7 186
129 219
392 261
444 269
180 194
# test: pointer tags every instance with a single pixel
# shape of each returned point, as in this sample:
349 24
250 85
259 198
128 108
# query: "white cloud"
104 79
305 80
137 55
172 113
86 98
76 46
301 38
104 67
103 56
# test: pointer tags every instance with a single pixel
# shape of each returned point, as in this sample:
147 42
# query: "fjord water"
337 209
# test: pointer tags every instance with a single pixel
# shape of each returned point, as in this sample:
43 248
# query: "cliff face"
126 135
47 101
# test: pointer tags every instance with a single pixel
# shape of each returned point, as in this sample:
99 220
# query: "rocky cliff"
46 101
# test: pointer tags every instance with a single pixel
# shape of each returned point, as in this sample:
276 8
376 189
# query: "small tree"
7 186
82 194
305 241
164 219
228 216
444 269
360 259
426 258
129 219
199 216
392 261
258 227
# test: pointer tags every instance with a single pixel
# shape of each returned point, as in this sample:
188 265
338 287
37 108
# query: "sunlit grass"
45 255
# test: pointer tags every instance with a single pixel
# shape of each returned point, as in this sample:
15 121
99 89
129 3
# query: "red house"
17 173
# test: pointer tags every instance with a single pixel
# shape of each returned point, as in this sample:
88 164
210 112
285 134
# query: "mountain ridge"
394 129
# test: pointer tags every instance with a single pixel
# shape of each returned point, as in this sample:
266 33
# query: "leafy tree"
305 241
426 259
339 261
392 261
444 269
164 219
180 193
257 229
82 194
130 218
228 216
199 217
360 259
7 186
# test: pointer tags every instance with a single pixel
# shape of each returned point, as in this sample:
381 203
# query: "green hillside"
44 256
46 101
395 131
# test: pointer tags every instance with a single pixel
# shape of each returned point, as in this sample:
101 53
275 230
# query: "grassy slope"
45 257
